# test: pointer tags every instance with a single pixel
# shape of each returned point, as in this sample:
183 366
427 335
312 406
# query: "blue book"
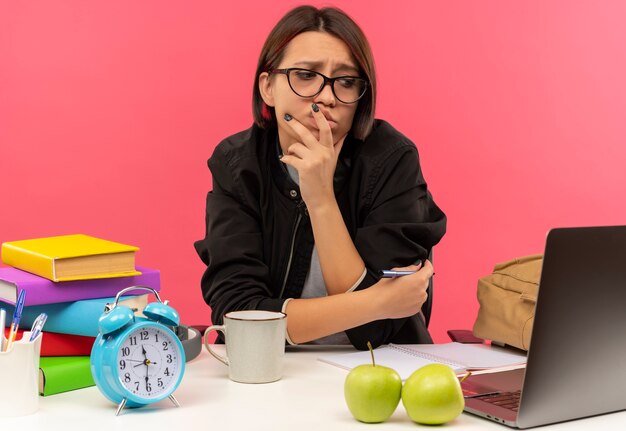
78 317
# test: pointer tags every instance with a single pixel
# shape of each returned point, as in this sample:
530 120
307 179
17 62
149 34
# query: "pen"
17 315
38 326
390 273
3 321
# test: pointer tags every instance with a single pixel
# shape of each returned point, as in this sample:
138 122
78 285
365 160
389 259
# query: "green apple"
372 392
432 395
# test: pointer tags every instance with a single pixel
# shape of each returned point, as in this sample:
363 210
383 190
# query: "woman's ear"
266 89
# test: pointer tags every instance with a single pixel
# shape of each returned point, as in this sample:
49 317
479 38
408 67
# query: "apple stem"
369 345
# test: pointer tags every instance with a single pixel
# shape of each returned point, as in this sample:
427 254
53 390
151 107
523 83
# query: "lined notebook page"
407 358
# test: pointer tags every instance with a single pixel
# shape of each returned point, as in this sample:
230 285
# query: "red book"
53 344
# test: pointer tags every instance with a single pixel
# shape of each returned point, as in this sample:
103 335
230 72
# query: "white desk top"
309 395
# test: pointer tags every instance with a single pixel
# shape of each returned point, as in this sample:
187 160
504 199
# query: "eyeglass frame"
327 80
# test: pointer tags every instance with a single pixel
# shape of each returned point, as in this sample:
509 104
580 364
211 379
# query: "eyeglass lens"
307 83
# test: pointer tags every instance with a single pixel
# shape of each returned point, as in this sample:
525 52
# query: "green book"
64 373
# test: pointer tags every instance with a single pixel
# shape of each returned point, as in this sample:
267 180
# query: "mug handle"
220 328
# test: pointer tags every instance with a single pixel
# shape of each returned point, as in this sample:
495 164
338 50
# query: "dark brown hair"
336 23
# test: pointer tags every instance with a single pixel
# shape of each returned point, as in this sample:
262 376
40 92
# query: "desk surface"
310 394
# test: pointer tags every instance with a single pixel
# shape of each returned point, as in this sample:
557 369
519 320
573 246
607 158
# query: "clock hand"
146 361
147 374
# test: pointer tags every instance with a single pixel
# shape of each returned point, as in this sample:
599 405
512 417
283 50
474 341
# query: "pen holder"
19 377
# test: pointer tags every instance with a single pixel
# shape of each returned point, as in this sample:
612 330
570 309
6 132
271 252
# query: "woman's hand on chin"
314 159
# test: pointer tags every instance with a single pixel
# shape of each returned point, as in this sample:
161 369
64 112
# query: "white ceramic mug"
255 345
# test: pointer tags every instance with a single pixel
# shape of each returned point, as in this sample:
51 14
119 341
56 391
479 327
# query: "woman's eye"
347 82
302 74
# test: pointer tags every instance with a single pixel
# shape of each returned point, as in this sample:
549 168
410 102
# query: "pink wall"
109 110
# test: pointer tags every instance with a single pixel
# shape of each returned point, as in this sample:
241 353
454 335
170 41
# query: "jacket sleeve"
400 224
236 277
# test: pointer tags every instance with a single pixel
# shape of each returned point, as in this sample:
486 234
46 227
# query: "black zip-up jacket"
259 239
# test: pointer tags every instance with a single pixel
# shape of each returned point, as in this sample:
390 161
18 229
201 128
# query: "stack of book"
70 278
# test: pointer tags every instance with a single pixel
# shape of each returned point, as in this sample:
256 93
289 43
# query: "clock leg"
120 407
174 400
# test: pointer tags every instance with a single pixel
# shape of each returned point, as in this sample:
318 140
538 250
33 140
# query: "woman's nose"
326 96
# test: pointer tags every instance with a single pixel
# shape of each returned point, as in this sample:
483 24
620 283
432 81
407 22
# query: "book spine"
78 317
53 344
63 374
28 261
40 290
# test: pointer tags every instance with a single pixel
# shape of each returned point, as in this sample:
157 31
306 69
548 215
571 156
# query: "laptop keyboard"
507 400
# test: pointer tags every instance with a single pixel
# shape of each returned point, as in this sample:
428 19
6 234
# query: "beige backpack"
507 300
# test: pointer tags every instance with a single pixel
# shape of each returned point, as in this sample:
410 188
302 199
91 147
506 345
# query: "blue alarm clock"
136 361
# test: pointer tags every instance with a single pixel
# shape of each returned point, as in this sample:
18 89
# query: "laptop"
577 357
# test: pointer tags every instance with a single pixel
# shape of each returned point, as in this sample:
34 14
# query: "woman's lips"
331 123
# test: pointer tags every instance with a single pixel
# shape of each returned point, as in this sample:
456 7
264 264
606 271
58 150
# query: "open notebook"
406 358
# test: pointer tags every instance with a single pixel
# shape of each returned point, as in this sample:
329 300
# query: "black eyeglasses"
309 83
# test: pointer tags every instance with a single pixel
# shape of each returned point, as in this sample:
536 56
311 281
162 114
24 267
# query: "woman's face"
322 53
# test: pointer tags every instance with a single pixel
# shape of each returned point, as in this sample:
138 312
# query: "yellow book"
71 257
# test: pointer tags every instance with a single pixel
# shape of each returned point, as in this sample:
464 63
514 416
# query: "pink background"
109 110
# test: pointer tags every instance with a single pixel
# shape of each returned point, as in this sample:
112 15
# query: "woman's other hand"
403 296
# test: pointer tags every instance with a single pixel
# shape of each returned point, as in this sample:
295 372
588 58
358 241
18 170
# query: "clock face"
149 362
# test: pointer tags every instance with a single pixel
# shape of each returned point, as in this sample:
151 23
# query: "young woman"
317 196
